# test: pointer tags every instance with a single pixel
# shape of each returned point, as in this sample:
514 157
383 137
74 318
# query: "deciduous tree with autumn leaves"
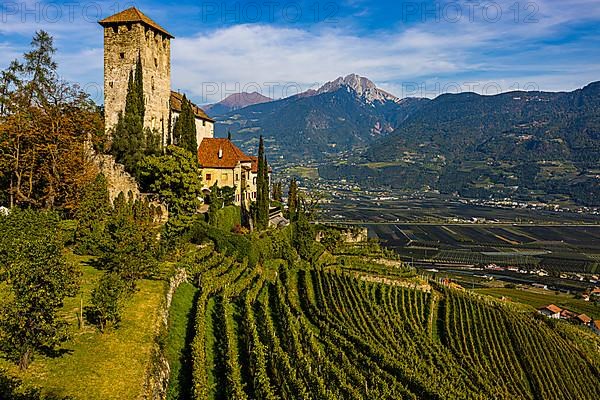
47 129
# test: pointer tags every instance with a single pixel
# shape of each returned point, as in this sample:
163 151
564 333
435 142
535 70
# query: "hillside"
93 365
534 145
342 114
336 332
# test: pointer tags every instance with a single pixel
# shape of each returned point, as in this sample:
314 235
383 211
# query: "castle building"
129 35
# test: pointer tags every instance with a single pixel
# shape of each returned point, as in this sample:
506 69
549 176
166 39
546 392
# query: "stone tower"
126 35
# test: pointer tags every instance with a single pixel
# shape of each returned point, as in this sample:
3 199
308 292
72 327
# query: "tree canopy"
39 278
46 129
175 177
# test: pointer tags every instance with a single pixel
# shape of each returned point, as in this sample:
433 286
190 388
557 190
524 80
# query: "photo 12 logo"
216 91
55 12
471 11
210 11
432 90
268 11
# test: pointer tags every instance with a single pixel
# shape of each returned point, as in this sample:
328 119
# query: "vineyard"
274 332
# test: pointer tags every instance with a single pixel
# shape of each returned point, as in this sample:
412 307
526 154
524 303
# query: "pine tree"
130 246
108 300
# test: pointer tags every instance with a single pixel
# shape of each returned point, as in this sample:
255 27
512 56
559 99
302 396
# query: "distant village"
555 312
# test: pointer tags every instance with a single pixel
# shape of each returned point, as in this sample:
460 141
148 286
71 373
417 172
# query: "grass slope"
94 365
181 331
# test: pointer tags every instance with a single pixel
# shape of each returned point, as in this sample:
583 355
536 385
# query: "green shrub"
228 217
107 301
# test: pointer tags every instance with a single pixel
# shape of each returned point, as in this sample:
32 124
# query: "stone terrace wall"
117 178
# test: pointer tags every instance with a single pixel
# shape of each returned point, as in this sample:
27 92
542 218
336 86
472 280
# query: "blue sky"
410 48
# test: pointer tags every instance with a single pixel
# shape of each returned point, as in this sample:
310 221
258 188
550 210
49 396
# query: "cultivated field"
552 248
337 332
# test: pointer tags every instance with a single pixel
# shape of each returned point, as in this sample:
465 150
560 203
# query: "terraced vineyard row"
325 334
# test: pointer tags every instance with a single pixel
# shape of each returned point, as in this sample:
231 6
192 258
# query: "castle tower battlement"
127 35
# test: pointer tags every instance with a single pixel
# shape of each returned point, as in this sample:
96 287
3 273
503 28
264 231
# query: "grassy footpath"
539 299
94 365
181 333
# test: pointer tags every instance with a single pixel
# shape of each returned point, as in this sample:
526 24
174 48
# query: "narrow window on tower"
122 55
156 62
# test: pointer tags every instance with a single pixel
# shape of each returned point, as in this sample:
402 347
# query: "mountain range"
341 115
529 145
236 101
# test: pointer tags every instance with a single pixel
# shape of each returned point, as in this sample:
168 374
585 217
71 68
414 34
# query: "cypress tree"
129 138
262 188
139 89
277 193
293 199
169 140
266 185
184 131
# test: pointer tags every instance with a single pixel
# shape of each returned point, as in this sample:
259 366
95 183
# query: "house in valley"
596 326
584 319
551 311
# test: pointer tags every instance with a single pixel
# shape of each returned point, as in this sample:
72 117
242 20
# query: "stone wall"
157 375
118 180
122 45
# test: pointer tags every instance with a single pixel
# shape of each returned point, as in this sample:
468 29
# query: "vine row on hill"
277 333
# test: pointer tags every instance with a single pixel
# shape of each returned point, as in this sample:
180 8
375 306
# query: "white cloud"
237 56
253 57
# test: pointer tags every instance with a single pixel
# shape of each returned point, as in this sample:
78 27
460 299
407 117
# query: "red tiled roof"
568 314
231 155
177 99
597 324
584 318
133 15
553 308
